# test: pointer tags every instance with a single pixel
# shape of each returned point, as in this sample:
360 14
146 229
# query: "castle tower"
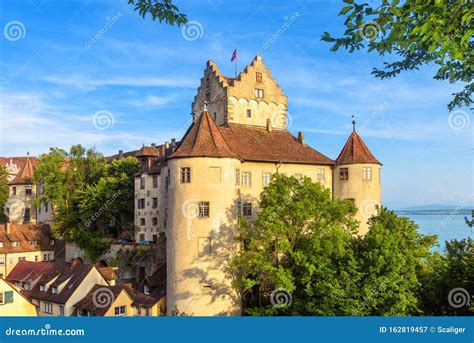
251 99
357 177
202 222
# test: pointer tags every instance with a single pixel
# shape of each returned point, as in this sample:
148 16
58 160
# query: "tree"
420 33
163 10
298 248
4 192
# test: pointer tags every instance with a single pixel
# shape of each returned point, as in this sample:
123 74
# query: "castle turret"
357 177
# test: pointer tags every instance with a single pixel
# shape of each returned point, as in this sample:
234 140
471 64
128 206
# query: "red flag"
234 55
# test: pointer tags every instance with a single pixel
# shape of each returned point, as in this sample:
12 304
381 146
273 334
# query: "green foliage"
163 10
4 192
419 32
91 199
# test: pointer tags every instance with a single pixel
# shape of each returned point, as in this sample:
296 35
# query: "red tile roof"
355 151
108 273
26 271
24 233
205 139
25 175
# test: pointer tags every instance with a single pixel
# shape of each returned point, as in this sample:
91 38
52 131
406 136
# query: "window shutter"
8 297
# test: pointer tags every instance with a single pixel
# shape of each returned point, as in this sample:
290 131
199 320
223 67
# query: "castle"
195 191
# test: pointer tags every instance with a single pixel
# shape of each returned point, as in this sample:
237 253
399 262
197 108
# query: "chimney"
269 125
301 137
120 154
173 141
7 228
153 144
74 262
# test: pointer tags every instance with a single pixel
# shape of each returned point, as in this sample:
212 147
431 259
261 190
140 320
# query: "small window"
142 237
155 181
141 203
28 191
47 307
142 183
343 174
185 175
55 290
258 77
146 289
204 246
259 93
154 221
27 217
321 176
247 209
367 173
15 244
22 258
51 242
13 190
36 258
352 200
61 310
142 221
33 243
266 177
246 179
46 257
120 310
204 209
42 288
155 238
1 244
155 202
249 113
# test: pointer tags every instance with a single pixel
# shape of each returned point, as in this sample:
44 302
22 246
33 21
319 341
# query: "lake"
447 225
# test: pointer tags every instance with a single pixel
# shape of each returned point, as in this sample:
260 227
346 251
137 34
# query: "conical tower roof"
355 151
25 175
203 139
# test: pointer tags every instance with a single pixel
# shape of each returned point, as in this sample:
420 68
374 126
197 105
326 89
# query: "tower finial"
204 107
353 124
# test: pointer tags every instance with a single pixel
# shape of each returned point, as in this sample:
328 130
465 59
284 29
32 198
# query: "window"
155 181
22 258
15 244
203 209
266 177
55 290
141 203
155 221
204 246
367 173
47 307
185 175
13 190
155 238
343 174
237 177
1 244
298 177
258 93
36 258
6 297
51 242
142 221
46 207
146 289
155 202
142 183
120 310
61 310
321 174
247 209
28 190
42 288
27 215
249 113
352 200
246 178
142 237
33 243
27 286
46 257
258 77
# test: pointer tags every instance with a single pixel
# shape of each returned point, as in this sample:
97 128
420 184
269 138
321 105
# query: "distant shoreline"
453 212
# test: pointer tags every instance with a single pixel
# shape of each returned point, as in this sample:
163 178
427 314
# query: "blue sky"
55 76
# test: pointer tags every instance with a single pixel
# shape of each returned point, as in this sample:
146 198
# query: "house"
106 301
26 274
150 299
24 242
13 302
57 291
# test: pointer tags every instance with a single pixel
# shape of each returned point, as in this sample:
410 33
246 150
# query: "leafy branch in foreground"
163 10
420 33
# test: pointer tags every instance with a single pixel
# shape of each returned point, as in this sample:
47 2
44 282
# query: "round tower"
357 177
202 223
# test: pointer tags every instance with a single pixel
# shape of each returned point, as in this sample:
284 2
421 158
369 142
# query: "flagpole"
236 57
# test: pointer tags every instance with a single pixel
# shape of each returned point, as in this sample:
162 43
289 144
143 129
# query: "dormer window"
146 289
15 244
33 243
42 288
51 242
55 290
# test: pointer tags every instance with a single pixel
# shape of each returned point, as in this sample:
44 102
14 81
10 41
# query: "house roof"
18 161
27 271
73 275
19 291
108 273
89 302
355 151
24 233
157 284
205 139
25 175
